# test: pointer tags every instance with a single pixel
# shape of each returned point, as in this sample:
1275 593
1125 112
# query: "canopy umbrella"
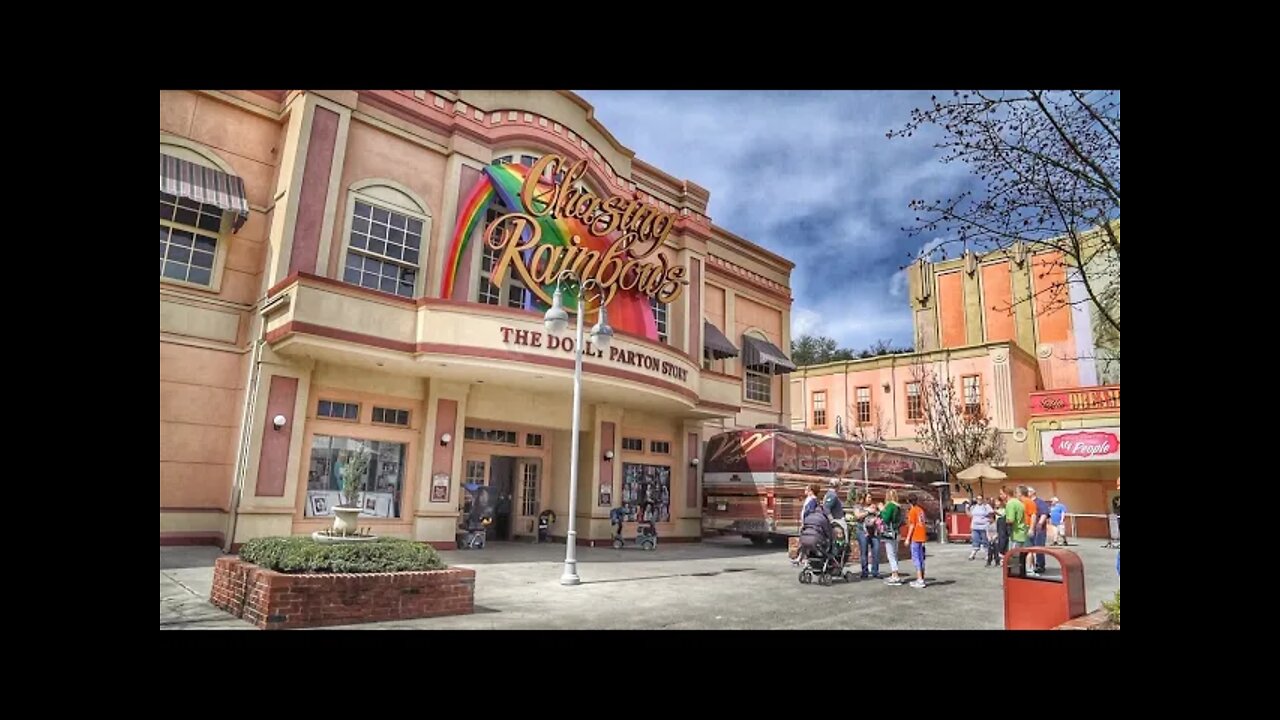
980 472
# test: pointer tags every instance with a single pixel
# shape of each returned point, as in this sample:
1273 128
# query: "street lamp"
555 321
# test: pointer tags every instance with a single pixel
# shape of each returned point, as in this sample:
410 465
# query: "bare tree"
870 432
959 433
1048 166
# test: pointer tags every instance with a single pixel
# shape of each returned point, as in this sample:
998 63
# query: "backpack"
889 529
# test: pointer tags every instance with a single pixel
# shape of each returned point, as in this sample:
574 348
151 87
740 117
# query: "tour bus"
753 480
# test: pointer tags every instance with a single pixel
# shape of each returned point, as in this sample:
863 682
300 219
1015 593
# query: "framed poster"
606 495
440 487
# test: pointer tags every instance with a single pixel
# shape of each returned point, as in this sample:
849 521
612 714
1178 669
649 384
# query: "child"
997 535
917 534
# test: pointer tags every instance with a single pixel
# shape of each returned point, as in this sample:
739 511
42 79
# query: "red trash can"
1047 601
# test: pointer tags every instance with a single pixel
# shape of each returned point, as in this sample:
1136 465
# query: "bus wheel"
758 540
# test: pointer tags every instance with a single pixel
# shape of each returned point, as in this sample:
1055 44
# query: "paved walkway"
718 584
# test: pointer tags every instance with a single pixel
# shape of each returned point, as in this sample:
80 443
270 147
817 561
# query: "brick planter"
1099 619
273 600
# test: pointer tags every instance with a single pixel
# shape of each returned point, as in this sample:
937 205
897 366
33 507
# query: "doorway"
517 488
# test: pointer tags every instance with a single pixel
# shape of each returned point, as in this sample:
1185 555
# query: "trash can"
1046 601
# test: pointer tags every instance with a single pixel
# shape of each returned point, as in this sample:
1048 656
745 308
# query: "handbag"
889 530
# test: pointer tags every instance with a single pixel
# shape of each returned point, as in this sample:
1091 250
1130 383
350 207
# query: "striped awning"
204 185
764 356
714 344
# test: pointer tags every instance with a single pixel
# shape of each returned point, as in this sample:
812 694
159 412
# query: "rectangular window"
338 410
972 394
647 489
474 476
660 447
529 486
820 408
188 239
516 297
505 437
380 485
533 440
660 317
390 416
383 251
915 408
633 444
863 398
759 386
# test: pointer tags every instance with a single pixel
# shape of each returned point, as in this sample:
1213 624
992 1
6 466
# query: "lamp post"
555 321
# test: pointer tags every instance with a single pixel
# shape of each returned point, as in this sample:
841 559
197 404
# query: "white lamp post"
556 320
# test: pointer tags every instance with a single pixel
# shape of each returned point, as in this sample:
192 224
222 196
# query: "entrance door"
502 484
529 474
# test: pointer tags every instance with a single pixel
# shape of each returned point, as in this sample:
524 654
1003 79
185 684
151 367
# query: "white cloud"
809 175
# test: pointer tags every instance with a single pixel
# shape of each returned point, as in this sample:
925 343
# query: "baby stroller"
476 518
826 549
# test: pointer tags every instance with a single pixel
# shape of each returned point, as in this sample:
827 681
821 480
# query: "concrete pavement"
719 584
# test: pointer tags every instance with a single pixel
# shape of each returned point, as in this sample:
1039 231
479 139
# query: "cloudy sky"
809 175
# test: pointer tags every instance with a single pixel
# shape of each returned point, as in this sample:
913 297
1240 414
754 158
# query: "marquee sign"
616 355
615 241
1062 402
1082 445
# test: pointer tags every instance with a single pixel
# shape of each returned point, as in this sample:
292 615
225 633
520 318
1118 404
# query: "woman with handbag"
890 522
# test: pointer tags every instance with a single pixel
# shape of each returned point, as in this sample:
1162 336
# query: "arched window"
193 235
387 231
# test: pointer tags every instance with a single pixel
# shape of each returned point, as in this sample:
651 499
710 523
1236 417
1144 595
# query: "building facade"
998 328
367 271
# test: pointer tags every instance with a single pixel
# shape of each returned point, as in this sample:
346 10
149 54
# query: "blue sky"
809 175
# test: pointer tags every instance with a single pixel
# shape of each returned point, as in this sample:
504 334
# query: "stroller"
477 516
646 531
826 549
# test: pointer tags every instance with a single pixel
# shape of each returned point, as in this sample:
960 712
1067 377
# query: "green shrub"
1113 608
301 554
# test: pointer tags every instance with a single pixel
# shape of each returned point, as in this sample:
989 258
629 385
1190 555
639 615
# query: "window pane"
413 240
388 284
166 211
351 410
378 246
411 256
175 271
185 216
351 275
415 226
405 289
362 210
207 244
398 220
179 254
199 275
202 259
180 237
210 222
358 240
379 231
381 215
395 251
360 225
188 203
396 236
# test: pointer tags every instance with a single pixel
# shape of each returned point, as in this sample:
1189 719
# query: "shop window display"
380 489
647 490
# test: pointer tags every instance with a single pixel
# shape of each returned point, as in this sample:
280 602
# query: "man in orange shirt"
917 535
1028 504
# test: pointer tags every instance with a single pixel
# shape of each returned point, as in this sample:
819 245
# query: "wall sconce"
278 421
694 462
887 387
445 439
608 454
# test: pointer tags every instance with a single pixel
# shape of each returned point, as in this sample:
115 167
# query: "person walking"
1029 511
917 534
1058 519
979 521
